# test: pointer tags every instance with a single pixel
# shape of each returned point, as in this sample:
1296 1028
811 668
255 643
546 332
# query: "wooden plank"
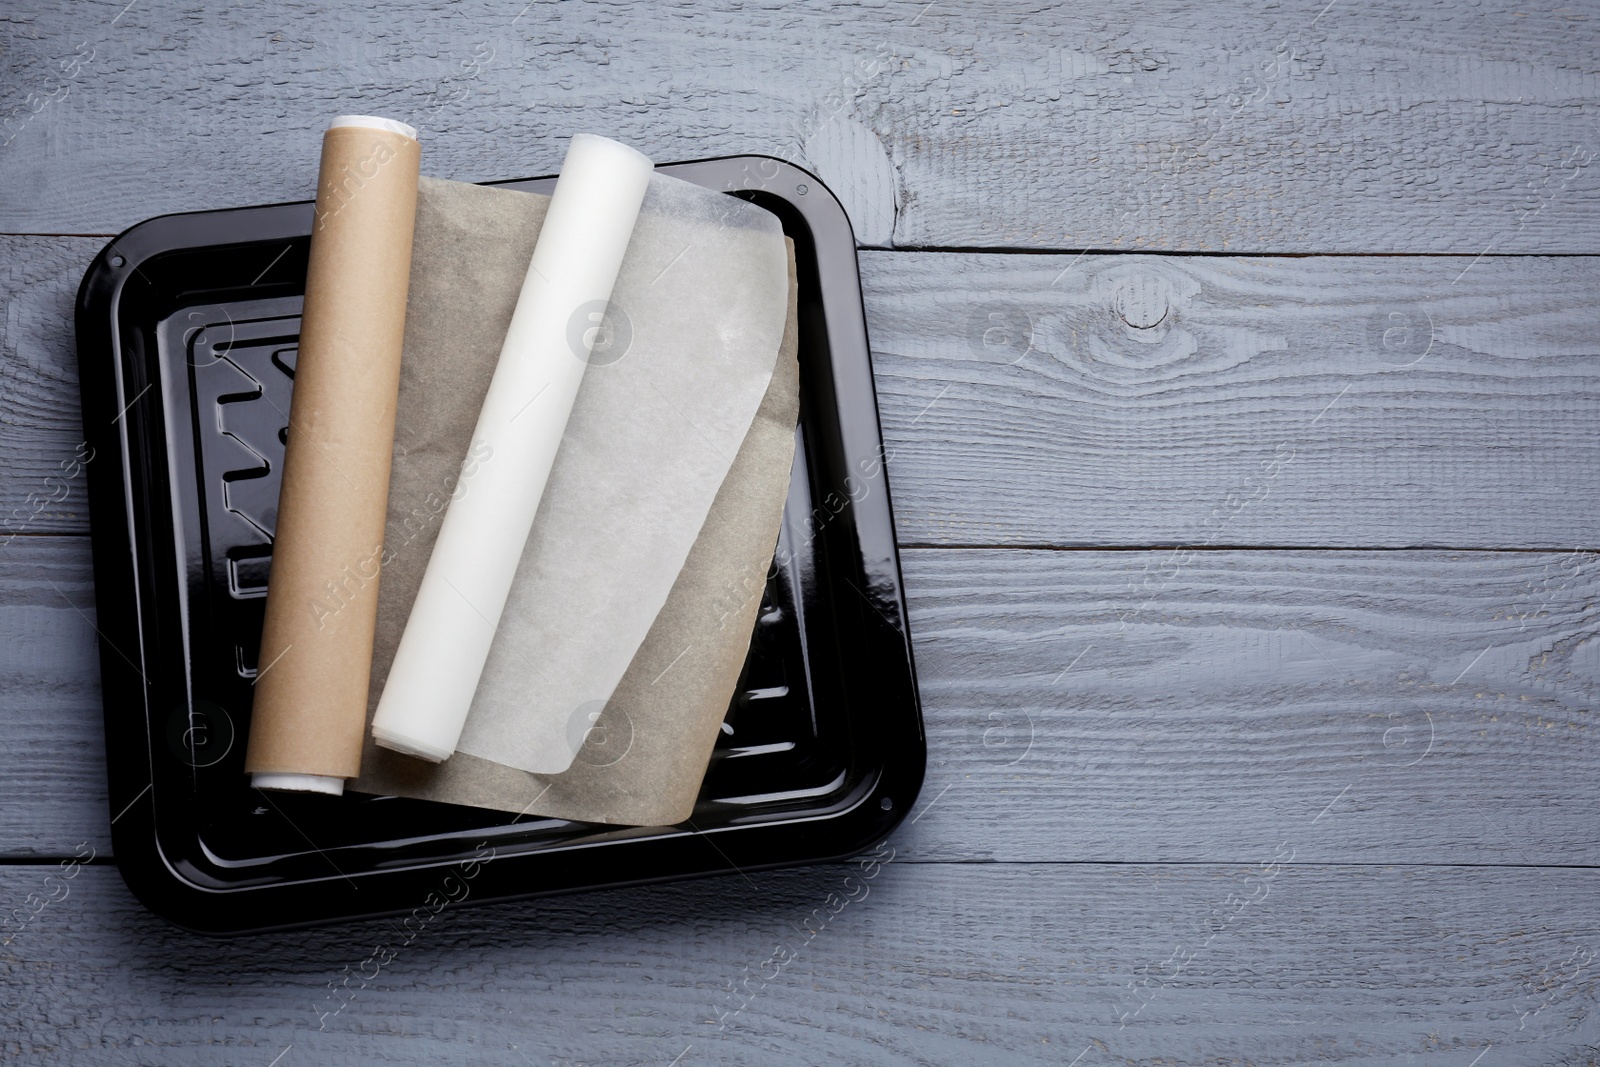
1161 706
53 788
1374 127
1412 707
1151 399
929 964
40 422
1154 400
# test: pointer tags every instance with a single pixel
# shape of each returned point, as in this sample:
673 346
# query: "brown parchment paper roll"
644 761
310 705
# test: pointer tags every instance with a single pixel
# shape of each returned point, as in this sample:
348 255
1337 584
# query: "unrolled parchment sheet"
311 686
644 761
703 292
587 232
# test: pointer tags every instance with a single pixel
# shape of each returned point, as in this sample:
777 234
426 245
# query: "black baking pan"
187 328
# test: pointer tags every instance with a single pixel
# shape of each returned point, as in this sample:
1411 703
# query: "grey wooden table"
1241 376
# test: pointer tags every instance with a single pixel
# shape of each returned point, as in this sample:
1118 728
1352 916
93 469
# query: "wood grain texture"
1128 707
1153 400
40 422
1431 707
1121 400
1372 127
934 964
53 788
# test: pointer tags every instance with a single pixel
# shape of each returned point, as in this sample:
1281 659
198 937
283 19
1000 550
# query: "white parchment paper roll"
704 288
453 621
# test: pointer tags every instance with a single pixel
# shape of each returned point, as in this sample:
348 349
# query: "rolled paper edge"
410 746
626 154
298 783
374 122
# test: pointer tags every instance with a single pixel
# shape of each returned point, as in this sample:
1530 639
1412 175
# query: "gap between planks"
1002 546
1023 250
102 860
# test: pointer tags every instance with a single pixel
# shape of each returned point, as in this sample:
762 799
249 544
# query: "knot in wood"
1141 302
